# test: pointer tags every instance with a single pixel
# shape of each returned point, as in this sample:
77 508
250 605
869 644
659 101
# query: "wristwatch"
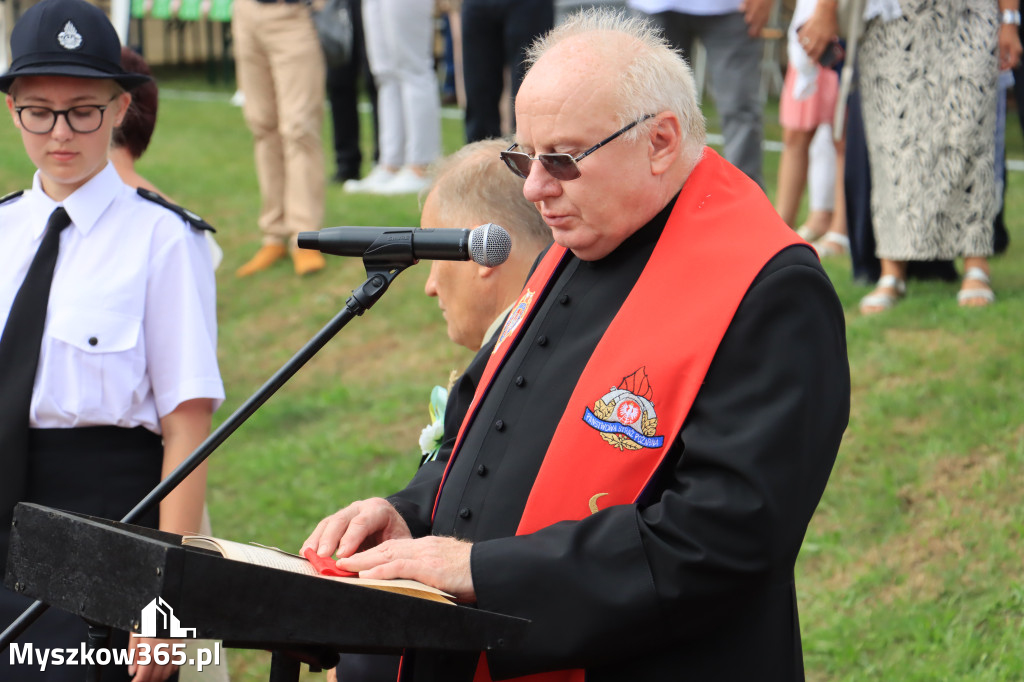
1011 16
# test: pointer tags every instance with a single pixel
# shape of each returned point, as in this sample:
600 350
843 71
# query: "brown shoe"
264 258
307 261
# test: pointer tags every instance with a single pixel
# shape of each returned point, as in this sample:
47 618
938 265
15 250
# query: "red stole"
632 398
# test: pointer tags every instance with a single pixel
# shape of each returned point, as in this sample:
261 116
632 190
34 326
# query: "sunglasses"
559 166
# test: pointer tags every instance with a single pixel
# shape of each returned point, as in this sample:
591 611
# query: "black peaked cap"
67 38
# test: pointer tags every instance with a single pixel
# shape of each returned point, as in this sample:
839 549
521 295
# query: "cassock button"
481 470
542 340
520 381
499 425
465 512
564 299
93 340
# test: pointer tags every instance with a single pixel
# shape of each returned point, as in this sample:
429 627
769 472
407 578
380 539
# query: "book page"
271 557
253 554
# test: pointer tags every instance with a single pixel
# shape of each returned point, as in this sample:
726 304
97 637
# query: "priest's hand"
436 561
359 526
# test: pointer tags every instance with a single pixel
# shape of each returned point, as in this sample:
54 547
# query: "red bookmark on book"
325 565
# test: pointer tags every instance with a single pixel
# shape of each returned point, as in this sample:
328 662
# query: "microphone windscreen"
489 245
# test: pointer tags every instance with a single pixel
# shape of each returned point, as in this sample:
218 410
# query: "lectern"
108 572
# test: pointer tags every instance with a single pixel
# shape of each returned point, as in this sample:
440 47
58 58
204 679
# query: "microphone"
488 245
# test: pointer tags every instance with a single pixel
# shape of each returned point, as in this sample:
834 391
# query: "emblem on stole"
515 318
625 415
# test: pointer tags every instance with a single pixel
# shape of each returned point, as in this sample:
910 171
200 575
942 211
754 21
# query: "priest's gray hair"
652 76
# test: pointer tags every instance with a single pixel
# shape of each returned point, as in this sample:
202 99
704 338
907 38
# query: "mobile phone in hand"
832 55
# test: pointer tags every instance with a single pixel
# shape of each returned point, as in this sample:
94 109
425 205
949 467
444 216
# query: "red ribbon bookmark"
325 565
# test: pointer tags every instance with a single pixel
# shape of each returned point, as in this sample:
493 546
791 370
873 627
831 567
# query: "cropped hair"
652 76
475 182
136 129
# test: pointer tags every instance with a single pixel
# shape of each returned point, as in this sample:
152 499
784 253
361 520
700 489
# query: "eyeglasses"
560 166
85 118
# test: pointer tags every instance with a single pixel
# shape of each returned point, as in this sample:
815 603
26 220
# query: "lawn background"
912 566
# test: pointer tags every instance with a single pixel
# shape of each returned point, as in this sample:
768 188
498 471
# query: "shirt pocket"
103 362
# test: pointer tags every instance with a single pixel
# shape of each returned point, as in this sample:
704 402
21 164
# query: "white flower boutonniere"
433 434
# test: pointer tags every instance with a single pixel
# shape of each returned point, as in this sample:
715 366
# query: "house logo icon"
158 620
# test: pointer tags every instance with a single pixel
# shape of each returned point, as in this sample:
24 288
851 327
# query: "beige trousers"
281 73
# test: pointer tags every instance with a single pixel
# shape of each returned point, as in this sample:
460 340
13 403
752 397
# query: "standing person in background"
400 48
108 355
343 93
131 139
1018 83
730 31
280 69
807 106
928 81
495 35
453 89
1000 236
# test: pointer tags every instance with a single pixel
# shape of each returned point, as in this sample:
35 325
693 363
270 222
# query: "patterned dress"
928 83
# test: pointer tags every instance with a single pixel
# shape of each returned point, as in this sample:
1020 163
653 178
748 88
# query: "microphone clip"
390 250
384 260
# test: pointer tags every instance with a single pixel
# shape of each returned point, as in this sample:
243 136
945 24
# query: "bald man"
661 410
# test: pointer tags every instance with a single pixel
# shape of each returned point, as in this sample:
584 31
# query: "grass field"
913 567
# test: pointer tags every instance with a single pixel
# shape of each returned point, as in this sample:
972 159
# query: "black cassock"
696 581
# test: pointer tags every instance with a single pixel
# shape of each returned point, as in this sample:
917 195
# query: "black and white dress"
928 82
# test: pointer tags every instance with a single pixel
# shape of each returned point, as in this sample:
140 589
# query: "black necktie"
19 359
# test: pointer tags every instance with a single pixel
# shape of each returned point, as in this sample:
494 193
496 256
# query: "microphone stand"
384 260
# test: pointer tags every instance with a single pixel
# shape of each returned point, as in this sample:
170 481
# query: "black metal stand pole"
283 668
99 638
379 277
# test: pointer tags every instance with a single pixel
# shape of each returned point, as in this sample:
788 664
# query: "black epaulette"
12 196
188 216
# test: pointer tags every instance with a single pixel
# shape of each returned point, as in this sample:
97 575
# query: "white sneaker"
405 181
372 183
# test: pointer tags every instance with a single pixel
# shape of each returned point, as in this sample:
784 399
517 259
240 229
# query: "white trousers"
821 174
399 46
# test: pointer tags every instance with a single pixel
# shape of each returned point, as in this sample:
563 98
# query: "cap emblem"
70 38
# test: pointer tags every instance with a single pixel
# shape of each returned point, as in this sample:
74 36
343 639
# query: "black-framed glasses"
85 118
560 166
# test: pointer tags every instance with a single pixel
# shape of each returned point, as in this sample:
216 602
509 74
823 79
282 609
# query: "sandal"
808 234
878 300
979 297
832 244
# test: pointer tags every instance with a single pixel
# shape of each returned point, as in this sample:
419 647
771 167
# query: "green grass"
912 567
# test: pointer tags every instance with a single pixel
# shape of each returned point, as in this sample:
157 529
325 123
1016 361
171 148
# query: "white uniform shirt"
131 326
704 7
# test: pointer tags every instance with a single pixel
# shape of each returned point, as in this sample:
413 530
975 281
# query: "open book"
272 557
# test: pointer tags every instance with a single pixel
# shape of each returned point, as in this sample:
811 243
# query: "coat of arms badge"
625 415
